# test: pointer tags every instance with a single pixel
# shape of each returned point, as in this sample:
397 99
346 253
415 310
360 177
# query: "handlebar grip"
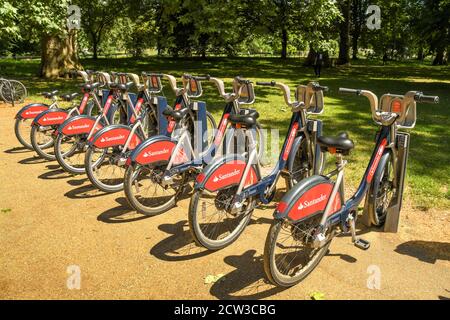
350 91
319 87
426 99
242 81
262 83
200 78
149 74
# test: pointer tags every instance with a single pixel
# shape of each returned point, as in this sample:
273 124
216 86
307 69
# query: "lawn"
428 176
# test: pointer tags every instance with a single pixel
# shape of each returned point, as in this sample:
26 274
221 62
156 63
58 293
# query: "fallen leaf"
212 278
318 296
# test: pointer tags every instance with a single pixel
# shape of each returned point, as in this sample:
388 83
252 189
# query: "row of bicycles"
123 134
12 91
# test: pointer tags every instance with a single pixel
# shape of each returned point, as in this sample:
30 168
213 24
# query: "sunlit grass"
428 176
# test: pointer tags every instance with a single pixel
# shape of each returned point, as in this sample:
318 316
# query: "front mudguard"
114 135
158 149
293 153
51 117
81 124
225 172
307 198
31 111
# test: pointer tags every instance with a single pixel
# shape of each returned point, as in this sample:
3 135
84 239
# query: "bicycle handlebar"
262 83
241 80
420 97
199 78
151 74
350 91
286 92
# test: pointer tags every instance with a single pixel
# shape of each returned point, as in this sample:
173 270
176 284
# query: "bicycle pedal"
362 244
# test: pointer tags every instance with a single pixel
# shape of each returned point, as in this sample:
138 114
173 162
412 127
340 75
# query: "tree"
357 23
98 17
434 27
344 35
47 21
304 20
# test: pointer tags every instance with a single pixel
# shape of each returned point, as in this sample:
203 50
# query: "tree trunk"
344 26
284 42
439 59
420 55
58 55
95 48
355 46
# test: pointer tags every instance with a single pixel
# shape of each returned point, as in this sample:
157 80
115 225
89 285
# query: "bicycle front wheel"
42 141
70 152
211 222
22 130
13 90
145 191
102 168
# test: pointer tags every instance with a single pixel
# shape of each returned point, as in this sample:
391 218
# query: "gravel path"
56 221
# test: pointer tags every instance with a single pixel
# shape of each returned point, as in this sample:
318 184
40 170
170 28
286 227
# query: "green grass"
428 177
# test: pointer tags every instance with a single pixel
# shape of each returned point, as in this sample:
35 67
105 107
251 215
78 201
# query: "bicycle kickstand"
358 242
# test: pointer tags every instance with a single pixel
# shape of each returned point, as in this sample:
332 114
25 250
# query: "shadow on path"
179 246
120 214
248 281
426 251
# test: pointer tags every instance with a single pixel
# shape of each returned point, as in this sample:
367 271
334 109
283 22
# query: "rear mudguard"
30 111
157 149
81 124
114 135
307 198
51 117
225 172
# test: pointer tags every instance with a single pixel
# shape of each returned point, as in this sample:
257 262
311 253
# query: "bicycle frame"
200 158
298 127
382 145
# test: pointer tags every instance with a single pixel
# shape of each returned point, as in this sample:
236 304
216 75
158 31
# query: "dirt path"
57 220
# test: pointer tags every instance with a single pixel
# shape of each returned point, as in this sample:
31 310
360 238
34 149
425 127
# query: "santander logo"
306 203
107 139
74 127
155 153
53 119
33 112
290 141
374 166
221 177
